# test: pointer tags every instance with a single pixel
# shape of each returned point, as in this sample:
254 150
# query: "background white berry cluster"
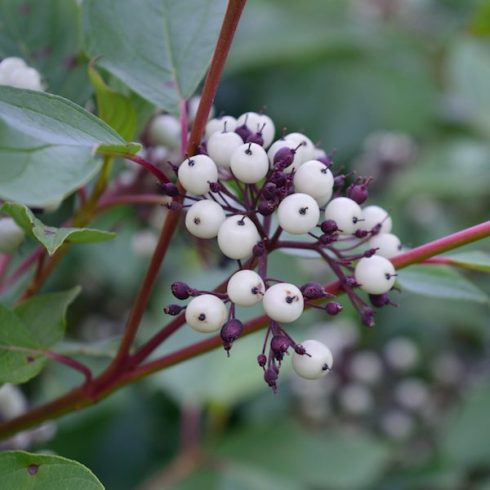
16 73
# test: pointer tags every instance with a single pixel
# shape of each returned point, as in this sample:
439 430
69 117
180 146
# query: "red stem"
103 387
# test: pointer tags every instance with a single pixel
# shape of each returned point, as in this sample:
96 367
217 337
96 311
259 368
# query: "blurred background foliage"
400 90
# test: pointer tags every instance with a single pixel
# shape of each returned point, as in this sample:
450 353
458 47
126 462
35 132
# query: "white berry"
345 212
206 313
165 130
237 237
376 275
307 147
374 215
298 213
204 218
249 163
245 288
283 302
11 236
15 72
221 124
196 173
315 179
388 245
7 65
316 363
221 147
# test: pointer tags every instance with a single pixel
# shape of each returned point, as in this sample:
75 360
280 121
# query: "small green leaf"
158 48
440 282
47 146
52 238
475 260
34 326
114 108
22 470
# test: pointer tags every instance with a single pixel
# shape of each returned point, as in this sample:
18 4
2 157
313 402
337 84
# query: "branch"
103 386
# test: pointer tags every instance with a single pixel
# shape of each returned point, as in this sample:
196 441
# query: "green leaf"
114 108
346 462
440 282
22 470
466 434
158 48
35 325
475 260
47 145
52 238
47 35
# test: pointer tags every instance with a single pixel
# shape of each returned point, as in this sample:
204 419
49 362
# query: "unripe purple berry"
243 132
329 226
379 300
230 331
173 310
279 345
358 192
284 157
180 290
339 181
333 308
261 360
312 290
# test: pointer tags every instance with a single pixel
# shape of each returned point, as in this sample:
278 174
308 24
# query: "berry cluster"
16 73
248 192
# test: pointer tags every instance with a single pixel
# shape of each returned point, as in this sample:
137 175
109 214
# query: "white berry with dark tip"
220 124
315 363
11 236
283 302
346 213
249 163
387 244
204 218
206 313
221 147
298 213
237 237
375 215
315 179
195 174
375 275
245 288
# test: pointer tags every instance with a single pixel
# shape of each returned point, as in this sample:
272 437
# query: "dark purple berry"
261 360
300 350
279 178
266 208
326 160
284 157
327 239
180 290
170 189
173 310
270 190
379 300
215 186
256 138
358 192
351 282
270 377
230 331
333 308
360 233
370 252
279 345
329 226
243 132
312 290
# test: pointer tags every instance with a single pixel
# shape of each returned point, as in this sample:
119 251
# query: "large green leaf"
159 48
47 35
35 325
345 462
52 238
47 145
21 471
440 282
